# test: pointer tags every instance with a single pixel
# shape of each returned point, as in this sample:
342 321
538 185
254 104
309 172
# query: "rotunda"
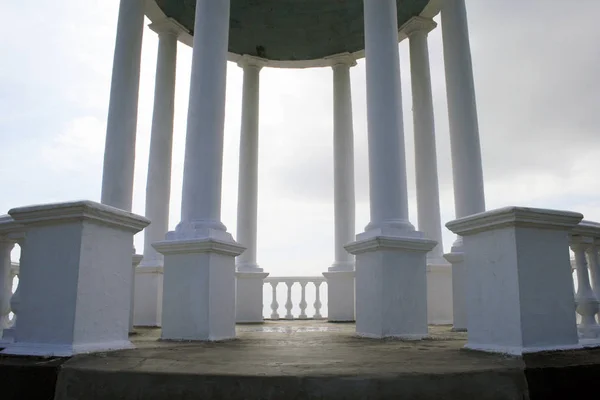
204 269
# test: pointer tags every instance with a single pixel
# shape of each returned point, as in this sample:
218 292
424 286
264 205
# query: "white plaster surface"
391 285
459 287
249 296
75 278
439 294
135 261
148 295
519 286
340 296
199 289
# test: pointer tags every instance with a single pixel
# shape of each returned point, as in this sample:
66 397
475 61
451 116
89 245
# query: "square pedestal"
148 295
391 285
519 285
459 288
439 294
340 296
249 297
199 288
75 280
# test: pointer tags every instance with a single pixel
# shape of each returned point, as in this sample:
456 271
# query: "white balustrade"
10 235
585 243
303 282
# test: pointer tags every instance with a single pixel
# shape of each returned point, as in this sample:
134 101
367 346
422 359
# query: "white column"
340 278
149 277
464 139
391 289
119 153
439 273
343 165
199 272
248 168
202 176
428 195
158 186
462 111
249 289
387 163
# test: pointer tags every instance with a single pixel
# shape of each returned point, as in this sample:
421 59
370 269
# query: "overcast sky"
538 92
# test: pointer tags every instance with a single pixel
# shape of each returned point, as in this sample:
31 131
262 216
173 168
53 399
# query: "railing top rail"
8 225
295 279
588 229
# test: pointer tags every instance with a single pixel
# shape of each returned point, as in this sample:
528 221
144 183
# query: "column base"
147 310
391 284
249 297
340 295
135 261
199 286
439 294
459 289
80 297
63 350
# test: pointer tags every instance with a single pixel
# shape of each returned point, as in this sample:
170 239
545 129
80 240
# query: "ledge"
205 245
391 243
8 225
83 210
587 228
522 217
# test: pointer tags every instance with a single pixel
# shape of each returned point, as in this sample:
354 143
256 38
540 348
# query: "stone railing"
315 284
7 317
10 235
585 244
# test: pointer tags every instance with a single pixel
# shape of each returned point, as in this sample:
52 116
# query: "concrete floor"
316 360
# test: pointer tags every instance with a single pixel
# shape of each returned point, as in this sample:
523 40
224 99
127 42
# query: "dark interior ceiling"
292 30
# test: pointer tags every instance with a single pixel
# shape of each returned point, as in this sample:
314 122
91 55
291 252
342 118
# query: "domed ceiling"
292 30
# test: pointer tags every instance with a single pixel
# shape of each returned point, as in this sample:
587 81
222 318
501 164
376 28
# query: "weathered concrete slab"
314 360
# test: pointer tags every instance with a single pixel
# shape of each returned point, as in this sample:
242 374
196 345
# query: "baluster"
6 280
15 300
318 301
594 265
303 303
274 303
587 304
288 303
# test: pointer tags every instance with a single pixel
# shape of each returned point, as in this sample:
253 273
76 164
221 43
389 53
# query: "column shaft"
343 167
428 196
462 111
387 164
248 174
202 178
158 186
119 154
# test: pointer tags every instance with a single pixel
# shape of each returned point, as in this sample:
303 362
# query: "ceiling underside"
292 30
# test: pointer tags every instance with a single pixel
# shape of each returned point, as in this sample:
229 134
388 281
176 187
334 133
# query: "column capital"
418 25
342 59
246 61
168 26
